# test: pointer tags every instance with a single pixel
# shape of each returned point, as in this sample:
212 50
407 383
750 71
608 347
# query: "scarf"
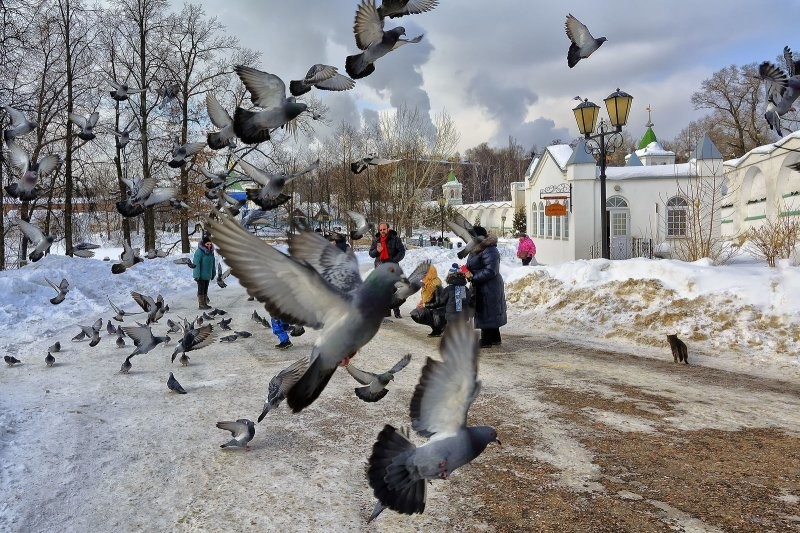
461 294
384 249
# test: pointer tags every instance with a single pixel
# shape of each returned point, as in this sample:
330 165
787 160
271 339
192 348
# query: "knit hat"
480 231
205 239
454 267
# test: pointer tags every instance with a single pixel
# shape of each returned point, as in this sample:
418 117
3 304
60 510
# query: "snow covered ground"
101 451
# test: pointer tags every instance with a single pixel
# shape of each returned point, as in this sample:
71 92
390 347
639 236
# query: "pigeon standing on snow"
323 77
126 365
40 242
270 195
375 384
120 339
62 289
317 285
281 383
55 348
181 153
194 339
11 360
225 324
268 92
583 44
220 118
86 124
374 42
20 125
173 385
49 360
398 469
123 91
243 431
110 328
27 188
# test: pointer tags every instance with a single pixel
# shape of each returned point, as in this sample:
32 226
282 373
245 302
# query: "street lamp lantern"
442 202
618 105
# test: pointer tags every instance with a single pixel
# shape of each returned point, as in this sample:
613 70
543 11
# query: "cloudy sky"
499 68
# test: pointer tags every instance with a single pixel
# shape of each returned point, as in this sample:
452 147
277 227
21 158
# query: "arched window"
541 219
549 227
566 220
677 216
558 227
616 201
534 220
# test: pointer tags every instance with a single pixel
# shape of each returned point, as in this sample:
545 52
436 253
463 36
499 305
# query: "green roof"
649 136
451 176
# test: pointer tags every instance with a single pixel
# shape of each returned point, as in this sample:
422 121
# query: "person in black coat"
483 264
340 241
387 247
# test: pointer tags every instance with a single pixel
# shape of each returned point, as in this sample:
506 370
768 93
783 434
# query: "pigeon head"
481 436
294 108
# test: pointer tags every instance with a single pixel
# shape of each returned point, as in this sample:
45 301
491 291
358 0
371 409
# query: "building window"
549 227
558 227
566 221
534 220
541 219
677 216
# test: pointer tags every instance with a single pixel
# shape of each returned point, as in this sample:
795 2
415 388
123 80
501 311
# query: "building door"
619 227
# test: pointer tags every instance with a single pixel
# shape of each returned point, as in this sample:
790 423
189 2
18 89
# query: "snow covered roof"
654 148
680 170
763 149
499 204
560 153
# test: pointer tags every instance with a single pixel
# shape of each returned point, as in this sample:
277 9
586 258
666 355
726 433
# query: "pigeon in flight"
782 88
27 188
124 136
142 193
373 40
400 8
184 261
55 348
582 43
168 94
372 160
182 152
215 179
41 243
270 195
243 431
317 285
126 365
128 258
93 332
79 337
120 313
398 469
221 119
20 125
155 253
11 360
173 385
222 275
375 384
86 124
281 383
49 360
62 289
362 226
155 309
411 285
194 339
143 339
464 229
122 91
268 92
323 77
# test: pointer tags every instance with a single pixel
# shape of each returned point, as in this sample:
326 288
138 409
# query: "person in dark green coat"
203 271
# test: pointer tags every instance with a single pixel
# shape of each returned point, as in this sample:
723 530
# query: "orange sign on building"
555 210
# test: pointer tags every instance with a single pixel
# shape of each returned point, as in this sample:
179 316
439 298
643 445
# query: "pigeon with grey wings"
323 77
49 360
128 258
143 339
410 285
268 92
20 124
86 124
194 339
126 365
168 94
582 43
375 384
373 40
155 309
222 275
401 8
372 160
363 227
466 232
120 313
220 118
243 431
93 332
11 360
142 193
398 469
124 136
184 261
55 348
271 195
317 285
281 383
123 91
782 88
27 187
181 153
173 385
41 243
62 289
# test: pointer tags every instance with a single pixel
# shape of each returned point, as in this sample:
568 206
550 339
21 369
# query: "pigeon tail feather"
367 396
245 128
216 141
573 55
310 386
297 87
404 494
357 67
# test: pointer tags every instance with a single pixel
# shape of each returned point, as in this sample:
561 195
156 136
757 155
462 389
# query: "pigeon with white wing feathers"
123 91
41 242
317 285
20 124
268 92
194 339
373 40
398 469
181 153
271 195
363 227
372 160
243 431
281 383
375 384
324 77
62 289
143 338
128 258
583 44
465 231
27 187
220 118
86 124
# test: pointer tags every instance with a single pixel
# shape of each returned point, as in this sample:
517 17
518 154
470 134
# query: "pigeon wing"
338 268
33 233
447 388
399 8
145 302
55 287
286 378
19 157
236 428
266 90
193 148
368 25
93 118
290 290
139 334
219 117
202 337
401 364
318 73
259 176
48 164
78 120
17 117
339 82
365 378
578 33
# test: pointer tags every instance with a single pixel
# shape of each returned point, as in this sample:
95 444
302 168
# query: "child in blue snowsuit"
280 329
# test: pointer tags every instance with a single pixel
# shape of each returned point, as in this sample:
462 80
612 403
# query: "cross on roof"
649 121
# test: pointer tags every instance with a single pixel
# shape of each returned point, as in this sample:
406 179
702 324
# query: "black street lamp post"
442 203
618 105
